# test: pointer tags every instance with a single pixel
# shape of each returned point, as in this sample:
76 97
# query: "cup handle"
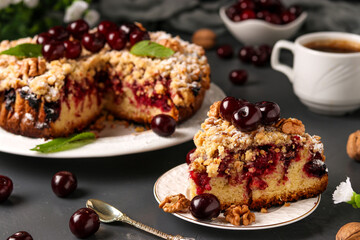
275 58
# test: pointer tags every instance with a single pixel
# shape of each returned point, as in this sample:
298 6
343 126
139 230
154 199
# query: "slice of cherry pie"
265 162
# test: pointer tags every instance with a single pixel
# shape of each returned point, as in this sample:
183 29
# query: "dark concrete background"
127 181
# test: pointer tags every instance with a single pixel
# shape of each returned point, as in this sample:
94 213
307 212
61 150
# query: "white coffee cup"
327 83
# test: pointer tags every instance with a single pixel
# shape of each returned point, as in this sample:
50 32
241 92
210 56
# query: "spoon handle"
151 230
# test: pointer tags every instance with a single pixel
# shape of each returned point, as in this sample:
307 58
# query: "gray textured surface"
127 181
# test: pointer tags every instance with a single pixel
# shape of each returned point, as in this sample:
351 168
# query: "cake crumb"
287 204
263 210
139 129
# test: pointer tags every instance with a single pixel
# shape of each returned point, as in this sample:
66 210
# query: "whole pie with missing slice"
255 161
40 98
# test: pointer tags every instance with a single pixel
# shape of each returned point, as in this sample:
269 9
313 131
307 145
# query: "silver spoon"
108 214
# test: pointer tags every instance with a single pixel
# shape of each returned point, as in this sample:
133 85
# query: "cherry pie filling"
267 158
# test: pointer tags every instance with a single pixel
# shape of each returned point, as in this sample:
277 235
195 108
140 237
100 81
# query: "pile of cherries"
246 116
258 56
272 11
83 223
67 42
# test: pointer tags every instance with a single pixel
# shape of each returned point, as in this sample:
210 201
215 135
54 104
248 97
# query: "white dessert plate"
117 139
175 181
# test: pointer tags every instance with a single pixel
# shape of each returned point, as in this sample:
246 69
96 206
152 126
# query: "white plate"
175 181
117 141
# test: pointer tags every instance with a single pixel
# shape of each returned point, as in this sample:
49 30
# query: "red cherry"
205 206
228 106
296 10
138 35
163 125
246 4
116 39
93 42
78 28
232 11
273 18
53 50
127 28
287 17
106 26
63 183
6 188
59 33
22 235
72 49
270 112
225 51
247 118
84 223
246 53
247 14
43 38
238 77
262 14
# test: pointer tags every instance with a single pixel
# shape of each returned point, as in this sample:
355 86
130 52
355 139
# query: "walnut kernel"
291 126
175 203
204 37
239 215
353 146
350 231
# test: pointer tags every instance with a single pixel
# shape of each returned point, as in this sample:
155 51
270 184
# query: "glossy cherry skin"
84 223
260 58
22 235
106 26
188 156
63 183
246 4
53 50
59 33
265 48
287 17
262 14
225 51
78 28
138 35
163 125
270 112
246 53
273 18
228 106
238 77
247 14
127 28
116 39
205 206
43 38
6 188
72 49
232 11
93 42
247 118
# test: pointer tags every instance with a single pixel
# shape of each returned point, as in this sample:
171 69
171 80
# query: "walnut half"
350 231
291 126
175 203
239 215
353 145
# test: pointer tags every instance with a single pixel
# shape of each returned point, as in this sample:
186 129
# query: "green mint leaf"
24 50
63 144
147 48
